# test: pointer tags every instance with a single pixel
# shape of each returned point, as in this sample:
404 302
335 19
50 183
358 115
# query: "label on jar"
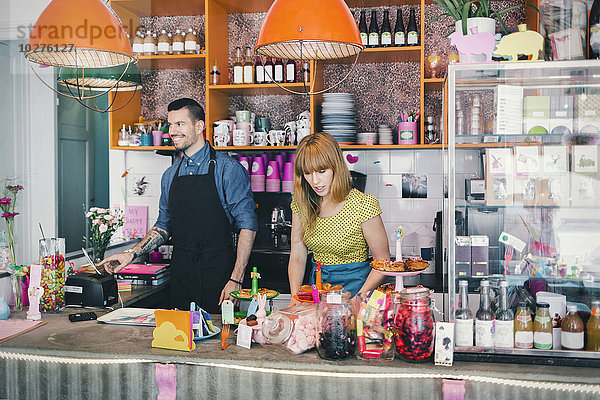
373 39
413 38
542 340
484 333
178 46
524 339
504 334
138 48
334 298
163 46
190 45
386 38
399 39
364 39
571 340
463 332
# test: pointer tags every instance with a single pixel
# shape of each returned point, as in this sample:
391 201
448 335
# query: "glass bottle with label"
278 70
138 43
170 36
593 328
386 30
248 67
269 71
542 327
290 71
484 318
523 327
148 44
463 328
373 30
163 43
238 67
259 70
190 42
155 42
399 30
412 36
571 335
178 43
362 28
504 325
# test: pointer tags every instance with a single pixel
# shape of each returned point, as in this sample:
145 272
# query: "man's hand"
230 286
116 262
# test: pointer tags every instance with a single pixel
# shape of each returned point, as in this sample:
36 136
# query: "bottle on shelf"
542 327
306 71
523 327
138 43
373 30
123 137
259 70
593 328
484 318
386 30
412 36
290 71
170 36
594 30
431 135
163 43
278 70
399 30
155 42
148 44
504 325
248 67
572 330
269 70
215 74
198 47
190 42
178 43
463 328
238 67
362 28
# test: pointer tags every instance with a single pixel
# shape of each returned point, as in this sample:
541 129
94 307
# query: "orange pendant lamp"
79 34
309 30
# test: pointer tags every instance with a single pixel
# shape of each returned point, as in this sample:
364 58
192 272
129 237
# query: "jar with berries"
336 325
414 324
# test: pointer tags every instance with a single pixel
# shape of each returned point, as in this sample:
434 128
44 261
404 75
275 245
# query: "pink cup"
245 163
258 166
288 172
292 157
280 159
407 133
265 157
157 138
273 170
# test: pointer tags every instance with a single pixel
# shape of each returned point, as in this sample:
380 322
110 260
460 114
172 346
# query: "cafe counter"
65 360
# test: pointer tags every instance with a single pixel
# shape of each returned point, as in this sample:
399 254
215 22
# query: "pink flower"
9 215
14 188
96 222
103 228
5 201
89 214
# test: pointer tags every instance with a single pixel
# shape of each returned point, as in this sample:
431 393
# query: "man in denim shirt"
202 195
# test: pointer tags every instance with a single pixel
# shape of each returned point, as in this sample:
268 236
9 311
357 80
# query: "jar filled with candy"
52 258
414 324
335 325
374 326
295 326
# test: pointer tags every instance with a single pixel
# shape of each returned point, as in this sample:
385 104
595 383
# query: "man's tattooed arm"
154 238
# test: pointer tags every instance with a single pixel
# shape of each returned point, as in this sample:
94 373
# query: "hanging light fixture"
81 35
307 30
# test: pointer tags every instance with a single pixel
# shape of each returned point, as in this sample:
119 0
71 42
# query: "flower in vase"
7 206
103 224
5 201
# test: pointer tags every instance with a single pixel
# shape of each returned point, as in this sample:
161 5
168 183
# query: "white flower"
108 217
96 222
102 211
89 214
103 228
94 209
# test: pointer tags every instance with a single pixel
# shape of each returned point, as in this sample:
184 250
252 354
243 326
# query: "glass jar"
542 327
295 326
52 258
414 325
375 326
335 325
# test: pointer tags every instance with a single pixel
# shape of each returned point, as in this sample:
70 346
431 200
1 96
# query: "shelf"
383 55
142 148
256 89
182 61
381 3
159 8
486 145
344 147
435 83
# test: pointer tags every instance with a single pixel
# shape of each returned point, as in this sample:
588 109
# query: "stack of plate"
385 134
338 118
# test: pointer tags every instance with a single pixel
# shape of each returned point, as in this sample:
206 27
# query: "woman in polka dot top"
337 223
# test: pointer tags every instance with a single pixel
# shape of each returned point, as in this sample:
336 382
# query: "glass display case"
524 182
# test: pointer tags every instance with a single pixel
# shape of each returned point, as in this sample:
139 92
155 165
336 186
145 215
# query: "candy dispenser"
414 324
335 325
374 326
52 258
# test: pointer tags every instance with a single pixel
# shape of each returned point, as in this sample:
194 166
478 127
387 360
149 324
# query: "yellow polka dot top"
339 239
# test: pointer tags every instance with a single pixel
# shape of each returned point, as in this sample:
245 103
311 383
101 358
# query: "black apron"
202 259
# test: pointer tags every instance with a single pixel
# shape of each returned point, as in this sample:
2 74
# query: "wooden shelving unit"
182 61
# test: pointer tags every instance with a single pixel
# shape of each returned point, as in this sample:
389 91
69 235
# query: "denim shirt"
233 188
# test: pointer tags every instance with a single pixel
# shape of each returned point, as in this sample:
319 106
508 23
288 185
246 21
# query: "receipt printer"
89 289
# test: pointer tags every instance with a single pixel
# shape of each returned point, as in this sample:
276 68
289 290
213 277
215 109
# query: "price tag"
227 312
334 298
244 336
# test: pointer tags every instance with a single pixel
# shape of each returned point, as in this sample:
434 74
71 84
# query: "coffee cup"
301 133
263 124
260 139
222 140
241 137
276 138
290 132
243 116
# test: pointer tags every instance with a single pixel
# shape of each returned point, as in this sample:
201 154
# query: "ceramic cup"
241 137
302 133
222 140
243 116
156 138
276 138
263 124
290 132
260 139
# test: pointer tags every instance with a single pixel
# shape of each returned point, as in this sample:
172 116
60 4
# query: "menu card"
509 113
